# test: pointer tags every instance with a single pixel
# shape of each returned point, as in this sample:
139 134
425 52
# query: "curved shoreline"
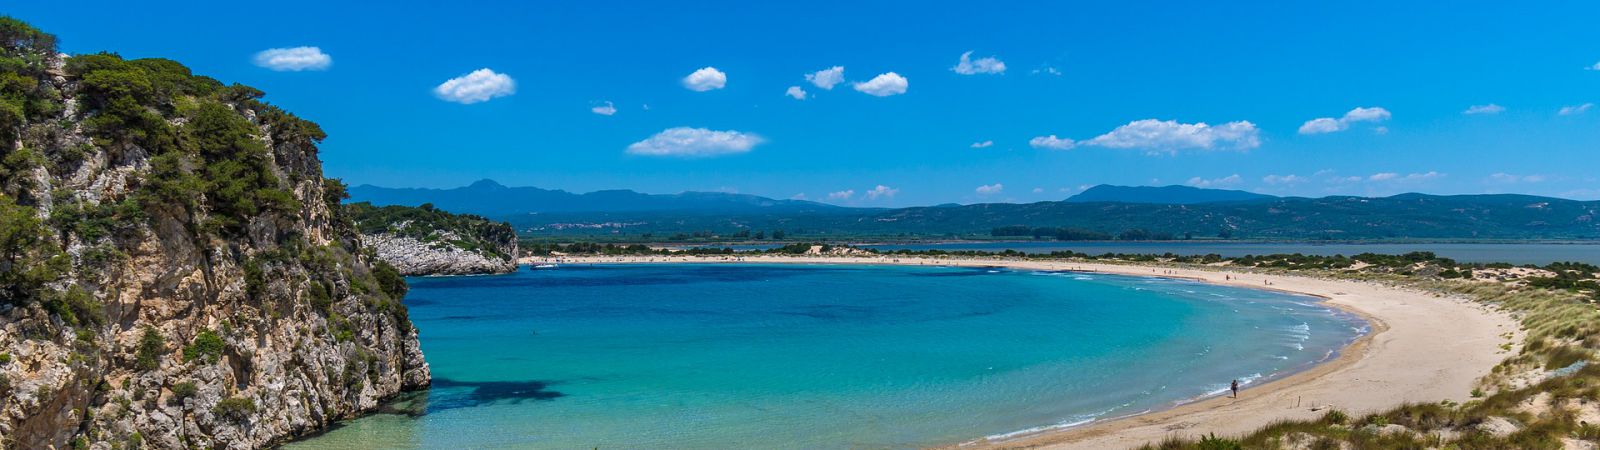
1420 348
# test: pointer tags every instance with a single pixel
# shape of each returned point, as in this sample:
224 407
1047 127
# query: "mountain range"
492 199
1166 211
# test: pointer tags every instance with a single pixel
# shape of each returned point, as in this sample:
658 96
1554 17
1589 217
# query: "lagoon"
823 356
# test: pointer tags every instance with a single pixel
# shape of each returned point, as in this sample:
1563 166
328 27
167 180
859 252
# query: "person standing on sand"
1235 388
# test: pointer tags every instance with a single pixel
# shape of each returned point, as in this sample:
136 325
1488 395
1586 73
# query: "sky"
931 102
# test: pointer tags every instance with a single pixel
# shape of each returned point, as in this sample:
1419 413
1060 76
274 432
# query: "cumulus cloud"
705 79
984 144
293 59
1484 109
884 85
1283 179
694 142
1051 142
1596 66
842 195
826 78
478 86
796 92
604 110
1229 180
989 189
881 191
1169 136
1329 125
1575 109
989 65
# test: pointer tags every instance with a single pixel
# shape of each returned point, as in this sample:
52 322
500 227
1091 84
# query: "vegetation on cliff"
435 227
169 248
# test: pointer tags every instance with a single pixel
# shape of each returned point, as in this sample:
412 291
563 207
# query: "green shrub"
151 346
389 280
207 345
235 408
184 390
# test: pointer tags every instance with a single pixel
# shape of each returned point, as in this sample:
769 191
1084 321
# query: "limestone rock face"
186 325
414 256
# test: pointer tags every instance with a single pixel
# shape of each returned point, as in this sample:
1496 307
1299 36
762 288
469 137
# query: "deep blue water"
790 356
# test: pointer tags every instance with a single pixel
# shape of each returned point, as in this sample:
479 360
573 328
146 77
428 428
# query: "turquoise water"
788 356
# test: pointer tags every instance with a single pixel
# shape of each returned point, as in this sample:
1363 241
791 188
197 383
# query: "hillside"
1414 216
492 199
176 272
428 241
1164 195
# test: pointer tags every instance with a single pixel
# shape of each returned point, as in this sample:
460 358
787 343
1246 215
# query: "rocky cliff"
175 272
427 241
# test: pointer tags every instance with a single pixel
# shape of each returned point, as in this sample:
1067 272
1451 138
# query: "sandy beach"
1422 348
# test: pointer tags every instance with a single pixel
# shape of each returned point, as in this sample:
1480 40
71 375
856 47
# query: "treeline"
1079 234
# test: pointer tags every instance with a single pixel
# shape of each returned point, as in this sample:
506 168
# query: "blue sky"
1127 82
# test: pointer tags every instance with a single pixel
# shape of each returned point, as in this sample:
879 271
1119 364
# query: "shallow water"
788 356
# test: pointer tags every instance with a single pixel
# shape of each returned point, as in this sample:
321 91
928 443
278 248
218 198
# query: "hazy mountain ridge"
1175 210
1170 195
488 198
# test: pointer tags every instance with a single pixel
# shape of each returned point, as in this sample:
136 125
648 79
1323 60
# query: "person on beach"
1235 388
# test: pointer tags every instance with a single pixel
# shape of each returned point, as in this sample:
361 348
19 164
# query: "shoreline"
1419 348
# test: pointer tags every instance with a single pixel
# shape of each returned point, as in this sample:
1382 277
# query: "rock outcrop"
175 272
414 256
427 241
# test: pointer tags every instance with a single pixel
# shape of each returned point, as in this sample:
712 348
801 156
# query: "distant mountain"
1163 195
1405 216
488 198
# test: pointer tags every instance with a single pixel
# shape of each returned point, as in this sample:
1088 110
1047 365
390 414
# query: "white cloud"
1322 125
1283 179
705 79
1047 71
1575 109
1229 180
1596 66
478 86
984 144
605 110
796 92
800 196
1484 109
294 59
1051 142
988 65
1506 178
881 191
1169 136
1391 176
884 85
1360 114
1038 190
826 78
842 195
694 142
989 189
